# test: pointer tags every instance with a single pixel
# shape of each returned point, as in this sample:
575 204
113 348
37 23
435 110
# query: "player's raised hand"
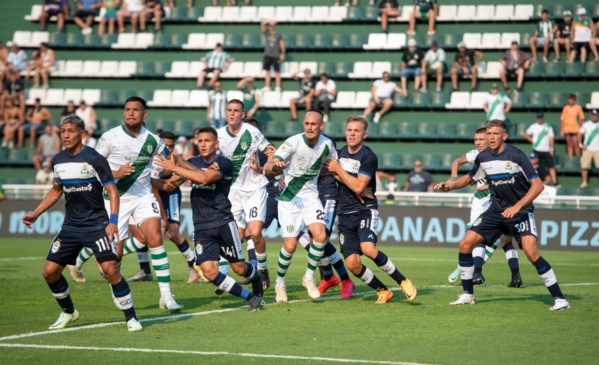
112 232
28 219
166 163
124 170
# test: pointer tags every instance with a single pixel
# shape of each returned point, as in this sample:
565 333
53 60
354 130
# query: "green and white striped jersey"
216 59
301 176
544 28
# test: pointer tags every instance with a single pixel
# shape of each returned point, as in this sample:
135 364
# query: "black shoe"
255 304
265 278
257 286
219 292
478 278
516 281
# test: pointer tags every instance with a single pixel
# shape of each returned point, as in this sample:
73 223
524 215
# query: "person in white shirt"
45 175
382 97
88 114
325 94
590 146
496 104
583 32
541 136
180 146
131 9
435 65
543 36
88 140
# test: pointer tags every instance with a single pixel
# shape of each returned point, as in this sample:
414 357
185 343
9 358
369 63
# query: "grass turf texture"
505 326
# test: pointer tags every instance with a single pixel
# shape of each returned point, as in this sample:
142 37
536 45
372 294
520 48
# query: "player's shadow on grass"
520 296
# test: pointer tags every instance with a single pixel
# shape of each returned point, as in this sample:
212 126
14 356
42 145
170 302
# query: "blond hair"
358 119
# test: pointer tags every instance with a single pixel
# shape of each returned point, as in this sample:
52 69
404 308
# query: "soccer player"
239 143
480 203
358 216
514 184
301 157
215 231
130 149
81 174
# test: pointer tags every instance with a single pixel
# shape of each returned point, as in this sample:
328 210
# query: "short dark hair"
138 99
315 111
236 101
544 11
481 130
324 74
572 96
73 119
209 130
497 123
253 122
167 134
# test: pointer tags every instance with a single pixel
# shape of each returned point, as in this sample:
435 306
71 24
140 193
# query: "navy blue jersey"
327 184
273 181
210 203
508 175
82 177
164 194
363 162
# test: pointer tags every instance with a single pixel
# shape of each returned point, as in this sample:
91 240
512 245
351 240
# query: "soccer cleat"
464 299
516 281
169 304
255 304
384 296
141 276
409 290
265 278
76 273
311 287
478 278
347 289
280 294
195 276
257 286
66 318
454 276
560 304
326 284
219 292
133 325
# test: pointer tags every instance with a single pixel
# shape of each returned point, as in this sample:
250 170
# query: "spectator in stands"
583 31
251 96
45 67
14 88
424 9
181 145
215 61
274 53
306 93
17 58
60 8
68 109
153 10
543 36
435 65
382 97
45 175
47 146
88 140
112 7
13 119
3 62
496 104
412 65
325 94
541 170
391 183
2 193
571 118
33 64
419 180
215 111
465 64
192 148
35 119
347 2
563 36
590 146
87 10
540 135
515 63
88 115
131 9
388 9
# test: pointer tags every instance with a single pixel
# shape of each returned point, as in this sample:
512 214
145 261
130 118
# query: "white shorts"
478 207
248 206
135 212
293 214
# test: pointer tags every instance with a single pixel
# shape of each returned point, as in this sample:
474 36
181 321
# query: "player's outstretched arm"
536 187
167 185
275 167
356 184
113 195
49 200
455 165
454 185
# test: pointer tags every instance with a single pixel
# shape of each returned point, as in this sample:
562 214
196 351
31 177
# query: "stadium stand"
344 42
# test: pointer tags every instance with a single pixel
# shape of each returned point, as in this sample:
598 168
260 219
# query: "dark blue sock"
145 266
381 260
478 263
250 271
60 291
548 277
466 261
119 290
512 261
341 270
183 247
370 279
251 253
231 286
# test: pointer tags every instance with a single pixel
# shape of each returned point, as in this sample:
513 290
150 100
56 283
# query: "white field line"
206 353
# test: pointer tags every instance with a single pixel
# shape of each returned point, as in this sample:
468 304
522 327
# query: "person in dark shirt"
358 216
562 35
274 53
419 180
215 231
306 91
423 9
514 185
81 174
465 64
388 9
412 65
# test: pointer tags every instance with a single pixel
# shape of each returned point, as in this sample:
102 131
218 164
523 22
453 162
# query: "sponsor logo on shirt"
55 246
204 187
504 182
78 189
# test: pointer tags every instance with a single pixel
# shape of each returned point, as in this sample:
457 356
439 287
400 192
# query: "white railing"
459 200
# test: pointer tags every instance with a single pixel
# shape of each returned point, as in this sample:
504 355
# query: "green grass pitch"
506 325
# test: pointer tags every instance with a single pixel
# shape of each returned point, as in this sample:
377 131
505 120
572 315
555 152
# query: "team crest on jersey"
244 146
55 246
289 228
199 249
150 149
84 169
477 221
341 239
508 166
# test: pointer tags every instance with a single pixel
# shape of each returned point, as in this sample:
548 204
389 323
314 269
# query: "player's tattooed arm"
167 185
455 165
49 200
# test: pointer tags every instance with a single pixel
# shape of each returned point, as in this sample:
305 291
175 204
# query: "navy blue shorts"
212 243
69 241
172 206
272 211
491 225
355 228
